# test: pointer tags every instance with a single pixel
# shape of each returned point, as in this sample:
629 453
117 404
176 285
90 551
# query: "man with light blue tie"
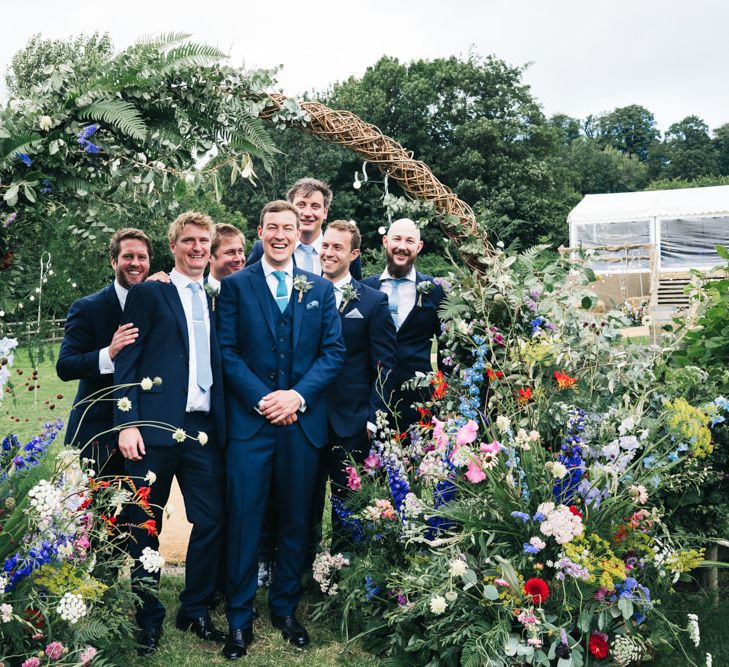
177 342
312 199
413 301
281 343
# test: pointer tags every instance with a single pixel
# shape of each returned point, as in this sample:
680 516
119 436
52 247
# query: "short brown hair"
348 226
278 206
127 233
189 218
225 231
305 187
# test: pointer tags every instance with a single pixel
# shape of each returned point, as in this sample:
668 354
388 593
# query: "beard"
400 270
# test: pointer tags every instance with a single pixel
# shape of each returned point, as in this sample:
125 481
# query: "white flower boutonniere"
349 294
212 292
302 286
425 287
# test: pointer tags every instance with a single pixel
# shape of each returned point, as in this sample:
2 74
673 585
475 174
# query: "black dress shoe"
291 630
203 627
236 645
149 641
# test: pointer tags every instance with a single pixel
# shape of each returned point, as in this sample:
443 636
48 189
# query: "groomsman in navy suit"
178 343
312 199
364 384
281 342
414 299
227 253
92 340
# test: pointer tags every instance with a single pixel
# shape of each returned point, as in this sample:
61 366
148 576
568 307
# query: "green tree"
721 146
688 150
631 130
570 128
595 169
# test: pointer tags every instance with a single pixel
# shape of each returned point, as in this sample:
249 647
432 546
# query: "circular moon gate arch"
368 142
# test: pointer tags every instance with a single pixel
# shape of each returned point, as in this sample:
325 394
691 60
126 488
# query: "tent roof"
626 206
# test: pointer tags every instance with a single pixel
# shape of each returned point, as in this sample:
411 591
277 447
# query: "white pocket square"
312 304
354 314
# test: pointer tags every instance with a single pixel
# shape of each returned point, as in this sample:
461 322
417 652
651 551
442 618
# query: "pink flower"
54 650
372 462
353 480
441 438
475 474
467 434
83 542
31 662
87 655
600 593
501 582
491 448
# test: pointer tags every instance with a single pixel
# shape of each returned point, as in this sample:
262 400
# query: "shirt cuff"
371 427
302 407
106 365
259 407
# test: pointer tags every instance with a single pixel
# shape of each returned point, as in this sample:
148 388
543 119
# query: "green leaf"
626 608
587 302
11 194
722 251
29 193
490 592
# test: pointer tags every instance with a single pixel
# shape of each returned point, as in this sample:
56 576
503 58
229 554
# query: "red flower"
34 616
439 386
85 503
537 589
424 417
564 381
524 395
108 520
150 525
575 511
598 645
494 375
142 495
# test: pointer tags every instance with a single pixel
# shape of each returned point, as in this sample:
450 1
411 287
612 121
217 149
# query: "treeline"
482 132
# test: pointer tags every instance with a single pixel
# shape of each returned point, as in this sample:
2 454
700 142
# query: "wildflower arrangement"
521 521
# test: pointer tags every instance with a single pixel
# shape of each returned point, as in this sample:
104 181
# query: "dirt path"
175 529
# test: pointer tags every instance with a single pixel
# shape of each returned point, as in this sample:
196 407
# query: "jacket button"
273 348
272 376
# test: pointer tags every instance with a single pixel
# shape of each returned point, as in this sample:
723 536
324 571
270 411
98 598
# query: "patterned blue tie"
394 300
282 294
202 342
307 262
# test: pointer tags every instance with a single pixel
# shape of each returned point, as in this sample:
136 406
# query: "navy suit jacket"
248 345
90 326
364 384
415 334
355 268
162 349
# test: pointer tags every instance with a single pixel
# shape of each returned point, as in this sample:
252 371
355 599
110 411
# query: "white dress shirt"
315 256
197 400
213 282
106 365
407 293
339 285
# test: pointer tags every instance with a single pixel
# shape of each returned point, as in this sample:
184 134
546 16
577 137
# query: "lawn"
35 399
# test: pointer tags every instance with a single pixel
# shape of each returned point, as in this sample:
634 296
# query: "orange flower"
110 521
439 386
142 495
493 375
564 381
150 525
524 395
424 417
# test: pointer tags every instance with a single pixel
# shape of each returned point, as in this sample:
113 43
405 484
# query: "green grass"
24 412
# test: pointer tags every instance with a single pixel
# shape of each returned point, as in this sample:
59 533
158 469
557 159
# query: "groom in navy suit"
413 299
177 342
368 371
281 343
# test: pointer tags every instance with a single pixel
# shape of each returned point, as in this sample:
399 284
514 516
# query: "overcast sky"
587 56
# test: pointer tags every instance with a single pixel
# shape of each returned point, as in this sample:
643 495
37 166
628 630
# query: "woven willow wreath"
368 142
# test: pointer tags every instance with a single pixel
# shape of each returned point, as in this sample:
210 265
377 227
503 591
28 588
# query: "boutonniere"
424 287
212 292
349 294
302 285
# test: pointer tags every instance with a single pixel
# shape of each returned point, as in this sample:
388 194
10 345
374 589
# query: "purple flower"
521 515
529 549
10 219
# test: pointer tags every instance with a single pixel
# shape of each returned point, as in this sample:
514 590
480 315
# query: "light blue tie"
394 300
282 294
307 263
202 342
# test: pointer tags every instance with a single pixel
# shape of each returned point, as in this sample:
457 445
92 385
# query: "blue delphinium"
399 487
370 588
472 381
444 492
348 519
25 159
521 515
571 457
83 138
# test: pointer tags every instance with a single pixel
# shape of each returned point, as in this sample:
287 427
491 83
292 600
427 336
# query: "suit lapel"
298 308
262 294
419 277
173 299
353 303
112 301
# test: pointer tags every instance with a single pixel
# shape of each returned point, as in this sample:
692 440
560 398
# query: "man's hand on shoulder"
125 335
160 277
280 407
131 444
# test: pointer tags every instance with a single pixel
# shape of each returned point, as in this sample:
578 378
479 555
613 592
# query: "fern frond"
163 40
122 115
187 55
253 131
72 184
21 143
533 251
91 631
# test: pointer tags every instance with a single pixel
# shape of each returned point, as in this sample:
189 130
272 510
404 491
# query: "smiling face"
312 213
402 244
228 257
191 250
337 254
132 264
279 233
